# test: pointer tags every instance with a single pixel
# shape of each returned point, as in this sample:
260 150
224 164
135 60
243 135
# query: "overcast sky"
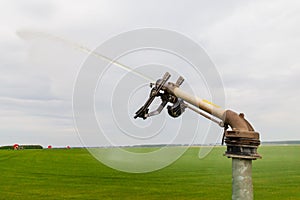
254 44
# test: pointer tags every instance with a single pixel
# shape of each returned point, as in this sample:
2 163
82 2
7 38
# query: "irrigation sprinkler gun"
242 140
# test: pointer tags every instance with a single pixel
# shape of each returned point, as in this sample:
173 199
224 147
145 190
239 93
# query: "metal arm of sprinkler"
242 141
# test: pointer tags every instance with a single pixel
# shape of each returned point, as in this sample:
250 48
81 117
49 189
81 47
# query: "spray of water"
31 34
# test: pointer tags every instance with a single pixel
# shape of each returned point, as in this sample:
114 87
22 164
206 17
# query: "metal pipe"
203 104
231 118
207 116
242 179
236 121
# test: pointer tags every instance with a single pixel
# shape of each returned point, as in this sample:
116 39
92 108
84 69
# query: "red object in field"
49 147
16 146
68 147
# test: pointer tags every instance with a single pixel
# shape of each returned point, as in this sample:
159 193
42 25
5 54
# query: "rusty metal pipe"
236 121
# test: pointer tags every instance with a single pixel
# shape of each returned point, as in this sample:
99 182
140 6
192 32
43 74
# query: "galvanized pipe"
242 179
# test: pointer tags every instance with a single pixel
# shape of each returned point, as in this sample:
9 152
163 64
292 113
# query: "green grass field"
75 174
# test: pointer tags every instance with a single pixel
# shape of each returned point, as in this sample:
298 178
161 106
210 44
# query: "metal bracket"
143 111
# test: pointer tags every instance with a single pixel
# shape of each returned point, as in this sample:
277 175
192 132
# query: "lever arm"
158 110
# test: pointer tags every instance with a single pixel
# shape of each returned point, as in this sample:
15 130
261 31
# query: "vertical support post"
242 188
242 149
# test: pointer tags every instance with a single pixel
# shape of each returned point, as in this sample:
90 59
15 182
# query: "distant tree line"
22 147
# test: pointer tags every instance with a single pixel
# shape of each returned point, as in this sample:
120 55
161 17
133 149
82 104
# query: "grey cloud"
36 10
254 44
